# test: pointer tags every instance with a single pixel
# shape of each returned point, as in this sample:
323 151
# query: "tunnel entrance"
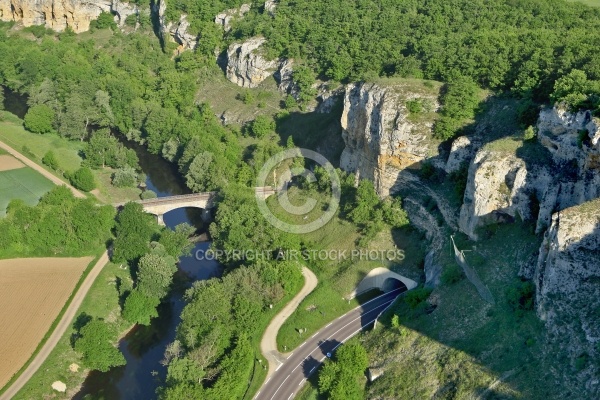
391 284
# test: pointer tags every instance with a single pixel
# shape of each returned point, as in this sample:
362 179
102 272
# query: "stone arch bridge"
162 205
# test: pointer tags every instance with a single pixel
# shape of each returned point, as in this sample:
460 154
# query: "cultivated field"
22 183
34 290
9 162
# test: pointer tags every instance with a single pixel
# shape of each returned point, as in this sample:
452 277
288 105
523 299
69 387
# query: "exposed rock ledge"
567 278
60 14
502 186
380 139
248 67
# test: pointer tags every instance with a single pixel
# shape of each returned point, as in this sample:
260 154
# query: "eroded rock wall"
567 278
504 184
381 140
54 14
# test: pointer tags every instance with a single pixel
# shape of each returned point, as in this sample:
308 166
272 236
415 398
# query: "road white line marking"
277 369
301 382
291 354
313 368
279 387
257 394
316 333
268 379
328 324
290 396
302 344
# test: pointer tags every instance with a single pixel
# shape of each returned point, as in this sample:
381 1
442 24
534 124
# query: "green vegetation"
217 340
95 344
22 184
39 119
83 179
50 160
59 225
343 378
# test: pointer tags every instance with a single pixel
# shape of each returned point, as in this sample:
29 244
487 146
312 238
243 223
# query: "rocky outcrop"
224 19
246 65
502 185
380 139
124 10
567 278
54 14
270 6
177 32
60 14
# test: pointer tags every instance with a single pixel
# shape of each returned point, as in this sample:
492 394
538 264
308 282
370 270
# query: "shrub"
262 126
131 20
39 119
105 20
416 297
148 194
520 297
529 133
83 179
50 160
124 177
414 106
451 275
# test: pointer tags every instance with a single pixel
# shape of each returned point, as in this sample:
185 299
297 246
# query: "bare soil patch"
9 162
34 290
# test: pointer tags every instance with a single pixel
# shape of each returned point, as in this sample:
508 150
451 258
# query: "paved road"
59 330
40 169
306 358
268 344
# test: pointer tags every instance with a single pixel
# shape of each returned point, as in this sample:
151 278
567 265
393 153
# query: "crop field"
21 183
34 290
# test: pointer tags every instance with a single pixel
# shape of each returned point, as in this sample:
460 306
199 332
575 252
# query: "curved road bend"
59 330
306 358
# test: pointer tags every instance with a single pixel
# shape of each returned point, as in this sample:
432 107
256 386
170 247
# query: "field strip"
58 331
39 169
9 162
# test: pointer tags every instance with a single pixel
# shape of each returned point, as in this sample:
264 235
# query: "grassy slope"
68 155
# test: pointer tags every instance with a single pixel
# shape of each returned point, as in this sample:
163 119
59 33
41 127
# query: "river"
143 347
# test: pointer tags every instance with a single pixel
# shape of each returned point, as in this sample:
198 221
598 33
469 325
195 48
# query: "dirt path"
40 169
268 343
59 330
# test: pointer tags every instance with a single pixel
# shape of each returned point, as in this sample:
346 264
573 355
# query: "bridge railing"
204 195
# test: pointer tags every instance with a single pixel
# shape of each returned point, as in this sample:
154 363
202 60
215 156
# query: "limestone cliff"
503 184
567 278
247 66
55 14
381 139
224 19
175 31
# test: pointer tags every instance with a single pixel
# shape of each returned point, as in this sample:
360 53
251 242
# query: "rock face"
175 31
501 185
224 18
246 65
567 278
54 14
380 139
